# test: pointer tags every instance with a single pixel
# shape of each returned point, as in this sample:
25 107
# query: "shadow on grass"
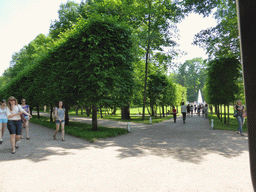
190 142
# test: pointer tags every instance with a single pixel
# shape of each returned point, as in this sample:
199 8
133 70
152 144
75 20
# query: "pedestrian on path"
3 119
14 112
174 113
183 111
188 109
191 110
205 109
199 109
26 123
60 120
240 110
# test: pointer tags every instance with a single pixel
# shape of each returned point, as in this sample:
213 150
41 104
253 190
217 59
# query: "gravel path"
160 157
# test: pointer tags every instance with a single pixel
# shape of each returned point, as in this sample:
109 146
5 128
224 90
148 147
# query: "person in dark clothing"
174 112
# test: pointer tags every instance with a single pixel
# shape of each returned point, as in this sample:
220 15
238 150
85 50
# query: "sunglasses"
11 100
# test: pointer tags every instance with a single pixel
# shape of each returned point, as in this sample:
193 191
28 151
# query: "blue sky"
22 20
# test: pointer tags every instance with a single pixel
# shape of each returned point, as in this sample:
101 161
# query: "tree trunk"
148 111
38 112
94 118
82 109
66 114
163 111
225 119
101 112
88 110
216 110
114 111
76 108
160 111
152 110
146 67
221 113
51 115
126 112
228 114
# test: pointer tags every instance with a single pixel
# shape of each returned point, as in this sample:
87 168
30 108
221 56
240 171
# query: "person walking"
240 110
174 113
205 110
26 123
191 110
3 119
188 109
199 109
183 111
60 120
14 124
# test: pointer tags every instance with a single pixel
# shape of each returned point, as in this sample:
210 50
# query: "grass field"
81 130
233 124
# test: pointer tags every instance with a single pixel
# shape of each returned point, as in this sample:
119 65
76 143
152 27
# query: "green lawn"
233 124
81 130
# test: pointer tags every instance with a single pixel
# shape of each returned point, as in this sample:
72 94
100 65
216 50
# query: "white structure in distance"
199 98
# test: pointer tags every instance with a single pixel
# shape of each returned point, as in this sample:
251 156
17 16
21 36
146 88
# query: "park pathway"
162 157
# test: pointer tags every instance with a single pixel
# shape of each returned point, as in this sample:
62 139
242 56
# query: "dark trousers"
174 117
184 116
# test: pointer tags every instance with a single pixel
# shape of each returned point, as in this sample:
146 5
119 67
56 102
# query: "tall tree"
192 75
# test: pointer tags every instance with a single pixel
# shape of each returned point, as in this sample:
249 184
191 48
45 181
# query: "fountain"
199 98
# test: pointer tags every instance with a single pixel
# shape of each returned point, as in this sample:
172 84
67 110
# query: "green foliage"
222 80
192 75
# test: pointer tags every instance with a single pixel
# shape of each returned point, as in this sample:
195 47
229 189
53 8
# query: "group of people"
16 117
239 109
189 110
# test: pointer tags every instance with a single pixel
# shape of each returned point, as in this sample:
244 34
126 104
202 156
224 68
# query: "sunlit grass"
81 130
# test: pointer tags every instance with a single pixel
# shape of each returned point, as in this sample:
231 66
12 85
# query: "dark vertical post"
94 118
247 19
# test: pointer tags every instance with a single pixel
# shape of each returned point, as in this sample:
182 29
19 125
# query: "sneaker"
237 132
242 134
21 137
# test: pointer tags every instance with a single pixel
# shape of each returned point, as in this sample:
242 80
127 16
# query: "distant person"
3 119
174 113
191 110
14 121
199 109
188 109
183 111
205 110
195 107
27 118
60 120
239 109
202 108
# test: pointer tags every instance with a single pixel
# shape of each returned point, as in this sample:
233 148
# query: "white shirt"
3 113
183 108
16 110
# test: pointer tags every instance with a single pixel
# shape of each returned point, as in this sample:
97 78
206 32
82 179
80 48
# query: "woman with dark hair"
60 119
14 124
25 124
3 119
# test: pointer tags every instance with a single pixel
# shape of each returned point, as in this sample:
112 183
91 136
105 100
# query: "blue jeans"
240 122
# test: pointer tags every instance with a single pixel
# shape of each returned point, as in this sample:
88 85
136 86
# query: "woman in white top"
3 120
183 111
14 121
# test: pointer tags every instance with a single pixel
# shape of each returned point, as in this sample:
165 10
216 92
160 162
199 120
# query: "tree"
222 80
192 75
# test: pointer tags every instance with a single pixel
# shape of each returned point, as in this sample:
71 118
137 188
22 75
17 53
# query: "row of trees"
92 58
